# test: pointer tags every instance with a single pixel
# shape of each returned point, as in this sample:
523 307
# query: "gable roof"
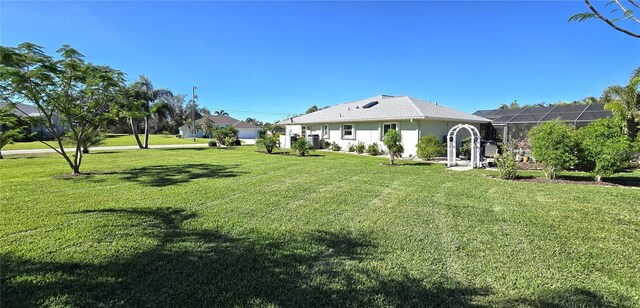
228 121
21 109
387 108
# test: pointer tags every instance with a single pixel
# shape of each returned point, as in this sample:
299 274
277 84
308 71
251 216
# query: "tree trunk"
598 178
146 132
85 150
134 129
1 155
77 160
391 157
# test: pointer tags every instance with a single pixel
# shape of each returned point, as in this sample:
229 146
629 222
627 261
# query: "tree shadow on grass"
577 297
167 175
631 181
190 267
418 163
99 152
622 180
184 149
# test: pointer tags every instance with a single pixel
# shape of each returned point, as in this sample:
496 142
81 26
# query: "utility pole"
193 112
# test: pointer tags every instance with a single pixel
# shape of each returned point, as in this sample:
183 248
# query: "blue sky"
270 59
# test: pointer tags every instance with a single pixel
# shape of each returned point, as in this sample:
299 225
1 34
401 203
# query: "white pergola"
475 145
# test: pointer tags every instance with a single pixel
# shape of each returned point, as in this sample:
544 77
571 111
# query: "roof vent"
369 105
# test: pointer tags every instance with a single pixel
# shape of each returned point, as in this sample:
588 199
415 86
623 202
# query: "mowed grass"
214 227
111 140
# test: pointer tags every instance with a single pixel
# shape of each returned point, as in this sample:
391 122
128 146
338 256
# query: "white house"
38 130
367 120
245 130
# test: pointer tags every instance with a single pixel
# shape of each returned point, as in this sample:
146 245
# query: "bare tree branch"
626 12
609 22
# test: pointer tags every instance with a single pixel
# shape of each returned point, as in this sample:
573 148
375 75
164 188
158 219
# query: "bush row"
600 148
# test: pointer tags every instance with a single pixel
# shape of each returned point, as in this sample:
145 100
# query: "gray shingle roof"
388 108
21 109
226 121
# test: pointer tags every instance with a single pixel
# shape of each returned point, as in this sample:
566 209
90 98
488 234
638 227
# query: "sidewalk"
112 148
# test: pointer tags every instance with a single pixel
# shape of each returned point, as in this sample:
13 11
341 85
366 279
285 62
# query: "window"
347 131
303 131
386 127
325 131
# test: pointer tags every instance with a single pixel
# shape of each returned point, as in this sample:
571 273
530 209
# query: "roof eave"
294 122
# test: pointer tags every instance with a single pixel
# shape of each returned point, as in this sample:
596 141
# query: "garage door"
247 134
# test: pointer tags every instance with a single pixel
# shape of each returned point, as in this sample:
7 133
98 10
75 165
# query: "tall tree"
143 91
221 112
623 9
68 93
254 121
133 109
9 131
313 108
176 109
624 103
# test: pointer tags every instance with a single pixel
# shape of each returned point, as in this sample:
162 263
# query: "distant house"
514 124
245 130
39 131
368 120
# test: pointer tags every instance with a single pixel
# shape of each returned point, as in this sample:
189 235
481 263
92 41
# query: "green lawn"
214 227
111 140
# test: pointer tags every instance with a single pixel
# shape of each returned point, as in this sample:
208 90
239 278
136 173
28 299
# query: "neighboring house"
514 124
29 112
245 130
369 119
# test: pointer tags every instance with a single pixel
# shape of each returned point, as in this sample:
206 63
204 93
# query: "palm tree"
221 112
143 91
624 103
590 100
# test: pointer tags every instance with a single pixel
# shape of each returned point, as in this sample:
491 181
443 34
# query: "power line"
261 112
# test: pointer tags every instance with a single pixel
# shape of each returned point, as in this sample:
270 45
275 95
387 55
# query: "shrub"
430 146
553 144
360 147
605 147
465 149
351 147
91 138
224 135
327 144
335 147
268 142
393 142
507 165
229 141
302 146
373 149
213 143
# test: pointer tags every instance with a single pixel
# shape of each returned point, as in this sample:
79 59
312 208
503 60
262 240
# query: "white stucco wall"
370 132
186 133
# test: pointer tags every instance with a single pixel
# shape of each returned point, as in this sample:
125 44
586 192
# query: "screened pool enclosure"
514 124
